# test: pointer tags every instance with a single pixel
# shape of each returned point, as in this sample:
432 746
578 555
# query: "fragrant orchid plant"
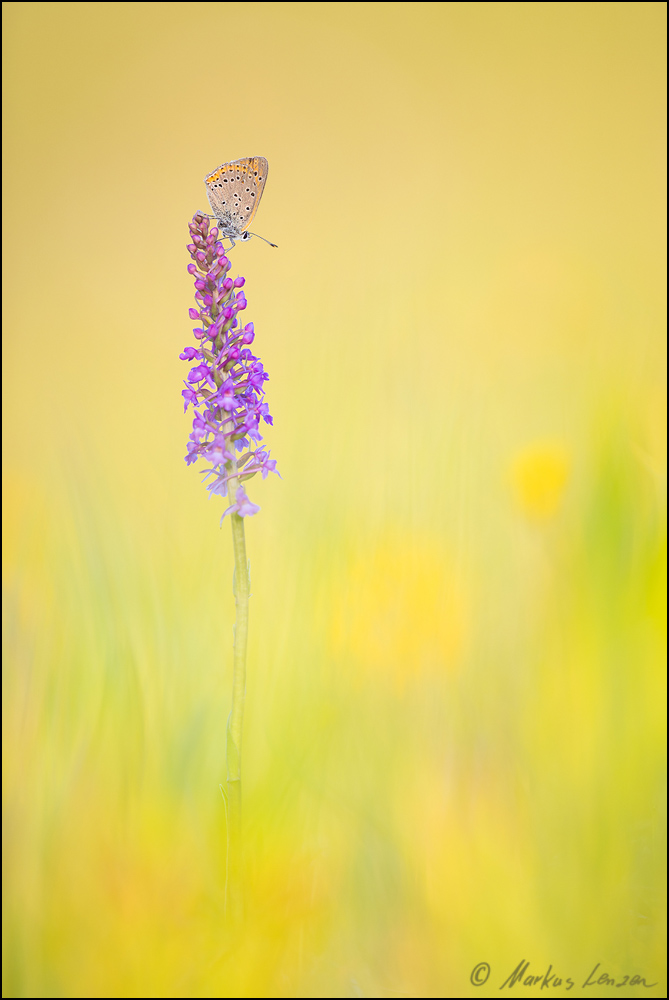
226 387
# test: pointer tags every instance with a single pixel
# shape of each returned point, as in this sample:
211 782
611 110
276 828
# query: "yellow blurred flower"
539 474
399 613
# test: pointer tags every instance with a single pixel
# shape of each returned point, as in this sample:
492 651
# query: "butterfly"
234 191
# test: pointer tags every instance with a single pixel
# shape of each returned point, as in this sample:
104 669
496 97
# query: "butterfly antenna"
266 241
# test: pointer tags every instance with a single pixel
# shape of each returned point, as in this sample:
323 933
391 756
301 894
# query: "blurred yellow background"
453 739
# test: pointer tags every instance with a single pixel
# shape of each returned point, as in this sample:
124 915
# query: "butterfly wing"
234 190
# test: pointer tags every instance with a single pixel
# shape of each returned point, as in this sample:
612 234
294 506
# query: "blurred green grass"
437 764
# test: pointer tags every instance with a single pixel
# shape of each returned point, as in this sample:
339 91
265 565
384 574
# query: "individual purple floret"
226 381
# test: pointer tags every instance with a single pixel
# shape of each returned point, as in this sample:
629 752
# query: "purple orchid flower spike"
226 383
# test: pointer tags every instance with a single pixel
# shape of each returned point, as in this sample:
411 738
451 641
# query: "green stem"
241 588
